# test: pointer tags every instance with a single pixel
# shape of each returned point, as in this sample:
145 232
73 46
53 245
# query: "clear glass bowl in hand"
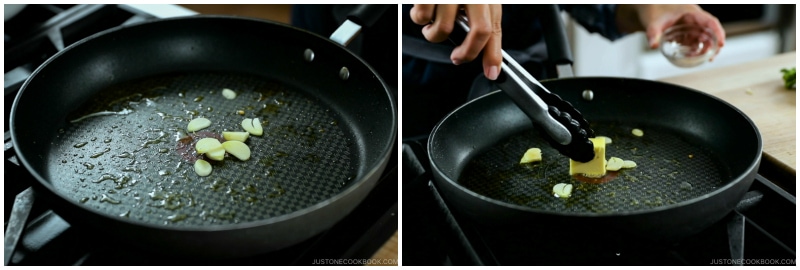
688 45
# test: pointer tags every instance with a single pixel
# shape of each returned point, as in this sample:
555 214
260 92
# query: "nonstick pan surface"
327 137
137 162
669 170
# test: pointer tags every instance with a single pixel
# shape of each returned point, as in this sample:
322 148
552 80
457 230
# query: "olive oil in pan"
665 174
137 155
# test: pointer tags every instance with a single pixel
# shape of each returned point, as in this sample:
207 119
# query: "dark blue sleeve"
601 19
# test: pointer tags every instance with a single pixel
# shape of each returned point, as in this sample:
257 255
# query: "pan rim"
378 164
439 174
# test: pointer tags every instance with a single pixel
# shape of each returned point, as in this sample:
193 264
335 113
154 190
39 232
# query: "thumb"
654 33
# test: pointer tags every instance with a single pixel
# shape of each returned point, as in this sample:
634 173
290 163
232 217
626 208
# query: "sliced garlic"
202 167
628 164
607 139
237 149
253 126
216 154
235 135
562 190
533 154
206 145
637 132
614 164
228 93
198 124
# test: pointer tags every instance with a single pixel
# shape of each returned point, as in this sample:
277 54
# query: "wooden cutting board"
756 88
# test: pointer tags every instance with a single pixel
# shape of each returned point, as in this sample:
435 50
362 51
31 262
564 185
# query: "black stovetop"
37 33
760 231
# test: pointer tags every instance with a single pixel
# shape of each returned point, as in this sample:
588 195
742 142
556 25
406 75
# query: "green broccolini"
789 77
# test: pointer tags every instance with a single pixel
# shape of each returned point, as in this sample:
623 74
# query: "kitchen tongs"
567 130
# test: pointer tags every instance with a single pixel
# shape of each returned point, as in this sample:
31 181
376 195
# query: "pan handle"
555 36
361 16
367 15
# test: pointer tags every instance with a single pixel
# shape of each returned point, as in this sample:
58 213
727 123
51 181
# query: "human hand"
485 32
657 18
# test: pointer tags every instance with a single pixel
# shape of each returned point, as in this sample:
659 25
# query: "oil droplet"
124 155
63 161
164 172
106 198
250 188
217 184
686 186
93 139
634 202
312 158
107 140
163 150
126 214
104 177
176 217
88 165
334 123
219 215
198 99
210 109
84 199
96 155
277 191
79 145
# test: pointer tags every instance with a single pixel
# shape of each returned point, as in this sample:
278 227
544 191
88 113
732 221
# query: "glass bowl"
688 45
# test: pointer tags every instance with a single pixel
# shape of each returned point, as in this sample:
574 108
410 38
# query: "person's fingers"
480 25
492 53
443 22
655 30
706 20
422 14
653 34
716 27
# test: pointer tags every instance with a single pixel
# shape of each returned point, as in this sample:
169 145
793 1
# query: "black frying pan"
697 158
329 125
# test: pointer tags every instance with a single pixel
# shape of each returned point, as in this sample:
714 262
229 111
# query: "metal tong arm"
520 88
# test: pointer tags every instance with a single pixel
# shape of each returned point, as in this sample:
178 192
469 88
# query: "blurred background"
279 13
753 32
